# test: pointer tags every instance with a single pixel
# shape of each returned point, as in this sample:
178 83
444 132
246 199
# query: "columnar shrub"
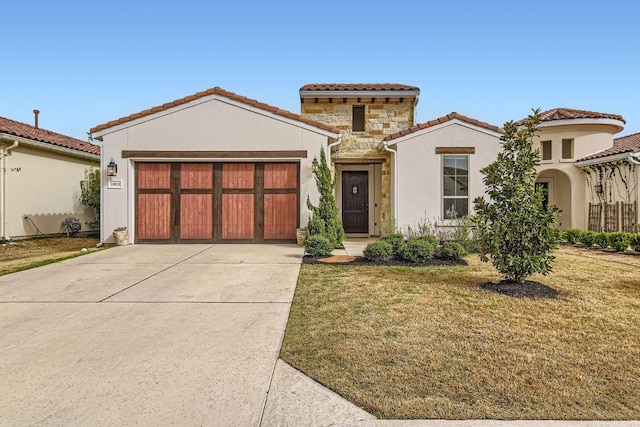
418 251
396 240
619 241
572 235
588 237
452 250
380 251
602 240
318 246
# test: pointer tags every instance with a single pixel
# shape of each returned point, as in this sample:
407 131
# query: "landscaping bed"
363 261
429 342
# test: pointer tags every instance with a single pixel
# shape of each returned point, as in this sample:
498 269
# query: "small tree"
324 217
90 194
514 226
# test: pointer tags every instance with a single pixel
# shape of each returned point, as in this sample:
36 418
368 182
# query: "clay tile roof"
217 91
569 113
358 87
441 120
624 144
23 130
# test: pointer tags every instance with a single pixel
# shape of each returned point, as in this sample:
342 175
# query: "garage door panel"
280 175
154 176
196 216
196 176
238 176
280 216
154 217
238 217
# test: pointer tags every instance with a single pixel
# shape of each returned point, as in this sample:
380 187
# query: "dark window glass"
358 118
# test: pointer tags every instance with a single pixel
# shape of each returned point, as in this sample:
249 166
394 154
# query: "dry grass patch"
32 252
415 343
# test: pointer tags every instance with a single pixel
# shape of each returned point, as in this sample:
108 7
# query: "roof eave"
359 93
604 159
618 124
50 147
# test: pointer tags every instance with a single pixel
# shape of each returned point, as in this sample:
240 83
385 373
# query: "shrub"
619 241
418 251
634 242
429 238
327 210
588 237
602 240
572 235
90 194
380 251
396 240
318 246
453 250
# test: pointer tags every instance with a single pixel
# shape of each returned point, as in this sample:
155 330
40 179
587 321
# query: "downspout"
635 158
333 144
385 146
3 197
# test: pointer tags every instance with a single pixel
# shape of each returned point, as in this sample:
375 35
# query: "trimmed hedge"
318 245
588 237
418 251
602 240
396 240
634 242
379 251
453 250
619 240
429 238
573 235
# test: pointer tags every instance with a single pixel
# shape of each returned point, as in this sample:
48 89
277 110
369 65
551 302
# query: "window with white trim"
455 183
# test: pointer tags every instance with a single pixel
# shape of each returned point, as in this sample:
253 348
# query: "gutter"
607 159
385 147
634 158
333 144
4 152
50 147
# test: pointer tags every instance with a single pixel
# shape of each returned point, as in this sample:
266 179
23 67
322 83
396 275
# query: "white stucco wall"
420 182
211 123
44 186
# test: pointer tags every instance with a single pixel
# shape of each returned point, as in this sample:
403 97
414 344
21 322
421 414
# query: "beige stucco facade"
385 114
567 182
43 188
208 123
420 168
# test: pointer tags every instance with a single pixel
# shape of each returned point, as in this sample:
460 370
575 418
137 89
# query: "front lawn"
405 342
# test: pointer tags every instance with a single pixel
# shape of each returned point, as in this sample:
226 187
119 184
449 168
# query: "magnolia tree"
514 226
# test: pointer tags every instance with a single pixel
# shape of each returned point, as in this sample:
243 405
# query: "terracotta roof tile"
23 130
217 91
624 144
569 113
441 120
358 87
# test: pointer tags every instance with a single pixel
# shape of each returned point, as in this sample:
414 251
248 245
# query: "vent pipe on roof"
36 112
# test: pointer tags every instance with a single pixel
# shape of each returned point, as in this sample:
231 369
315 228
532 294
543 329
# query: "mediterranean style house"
218 167
48 167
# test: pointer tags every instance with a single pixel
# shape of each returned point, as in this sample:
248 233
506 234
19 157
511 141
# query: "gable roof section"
23 130
570 113
221 92
624 144
443 119
358 87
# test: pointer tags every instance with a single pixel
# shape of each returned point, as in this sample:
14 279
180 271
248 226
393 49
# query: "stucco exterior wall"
420 181
44 186
587 139
208 124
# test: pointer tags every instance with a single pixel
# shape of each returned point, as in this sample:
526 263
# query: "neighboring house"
438 167
210 167
566 137
611 181
366 114
40 174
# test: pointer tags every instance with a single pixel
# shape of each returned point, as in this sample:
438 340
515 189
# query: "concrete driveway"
146 335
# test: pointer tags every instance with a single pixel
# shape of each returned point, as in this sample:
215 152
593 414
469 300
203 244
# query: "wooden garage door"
216 202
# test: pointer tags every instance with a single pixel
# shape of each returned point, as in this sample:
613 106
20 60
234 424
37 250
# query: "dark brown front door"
355 201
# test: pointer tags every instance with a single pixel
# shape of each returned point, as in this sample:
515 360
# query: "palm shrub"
318 246
453 250
572 235
514 227
418 251
379 251
327 210
396 240
588 237
619 241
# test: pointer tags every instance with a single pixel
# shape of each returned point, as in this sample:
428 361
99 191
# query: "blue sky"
85 63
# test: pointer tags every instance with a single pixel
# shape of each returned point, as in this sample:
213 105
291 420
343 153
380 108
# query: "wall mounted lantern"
314 164
112 168
598 188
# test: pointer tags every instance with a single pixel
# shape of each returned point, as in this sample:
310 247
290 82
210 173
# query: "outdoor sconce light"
598 188
354 190
112 168
314 164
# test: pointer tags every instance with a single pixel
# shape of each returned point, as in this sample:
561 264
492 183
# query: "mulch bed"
362 261
526 289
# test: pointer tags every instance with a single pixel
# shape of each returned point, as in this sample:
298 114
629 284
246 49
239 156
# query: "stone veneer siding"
382 117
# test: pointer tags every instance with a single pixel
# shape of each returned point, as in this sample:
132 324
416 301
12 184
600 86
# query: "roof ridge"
216 90
451 116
